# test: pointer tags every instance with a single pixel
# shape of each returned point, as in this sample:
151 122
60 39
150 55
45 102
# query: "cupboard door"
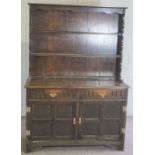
89 120
52 120
101 120
63 121
41 120
111 120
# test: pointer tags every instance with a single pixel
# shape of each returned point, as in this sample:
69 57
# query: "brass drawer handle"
74 121
80 120
102 95
53 95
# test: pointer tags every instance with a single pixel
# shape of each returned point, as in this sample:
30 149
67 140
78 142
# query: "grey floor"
82 150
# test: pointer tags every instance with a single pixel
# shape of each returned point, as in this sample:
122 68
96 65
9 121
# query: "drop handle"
80 120
102 95
74 121
52 95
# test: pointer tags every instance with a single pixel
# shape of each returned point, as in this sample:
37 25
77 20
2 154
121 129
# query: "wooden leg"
28 146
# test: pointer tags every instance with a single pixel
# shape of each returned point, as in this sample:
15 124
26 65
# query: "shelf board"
73 32
76 55
103 78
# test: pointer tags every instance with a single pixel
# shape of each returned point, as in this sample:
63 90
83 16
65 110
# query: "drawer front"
103 93
49 94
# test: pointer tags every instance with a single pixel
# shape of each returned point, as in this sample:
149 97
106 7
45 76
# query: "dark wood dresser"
75 95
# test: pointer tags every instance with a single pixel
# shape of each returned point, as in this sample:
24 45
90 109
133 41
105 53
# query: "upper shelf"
108 10
74 32
76 55
47 4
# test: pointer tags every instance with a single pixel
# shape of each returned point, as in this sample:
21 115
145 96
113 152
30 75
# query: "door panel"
89 110
90 128
63 129
41 129
112 110
63 126
41 111
101 120
64 111
110 127
111 121
41 120
89 114
52 120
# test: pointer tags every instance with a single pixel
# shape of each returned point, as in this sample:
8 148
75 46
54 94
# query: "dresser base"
31 145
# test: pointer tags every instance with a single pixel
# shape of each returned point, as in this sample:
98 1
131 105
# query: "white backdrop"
127 62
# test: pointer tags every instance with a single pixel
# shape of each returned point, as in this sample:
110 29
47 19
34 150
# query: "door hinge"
28 109
28 132
124 109
123 130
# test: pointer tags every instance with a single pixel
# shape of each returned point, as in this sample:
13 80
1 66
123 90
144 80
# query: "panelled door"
89 119
40 120
111 120
100 120
52 120
63 122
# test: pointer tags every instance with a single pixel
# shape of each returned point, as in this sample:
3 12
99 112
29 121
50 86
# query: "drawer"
102 93
42 94
46 94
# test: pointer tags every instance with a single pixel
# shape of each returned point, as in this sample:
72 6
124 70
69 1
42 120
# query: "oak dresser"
75 95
